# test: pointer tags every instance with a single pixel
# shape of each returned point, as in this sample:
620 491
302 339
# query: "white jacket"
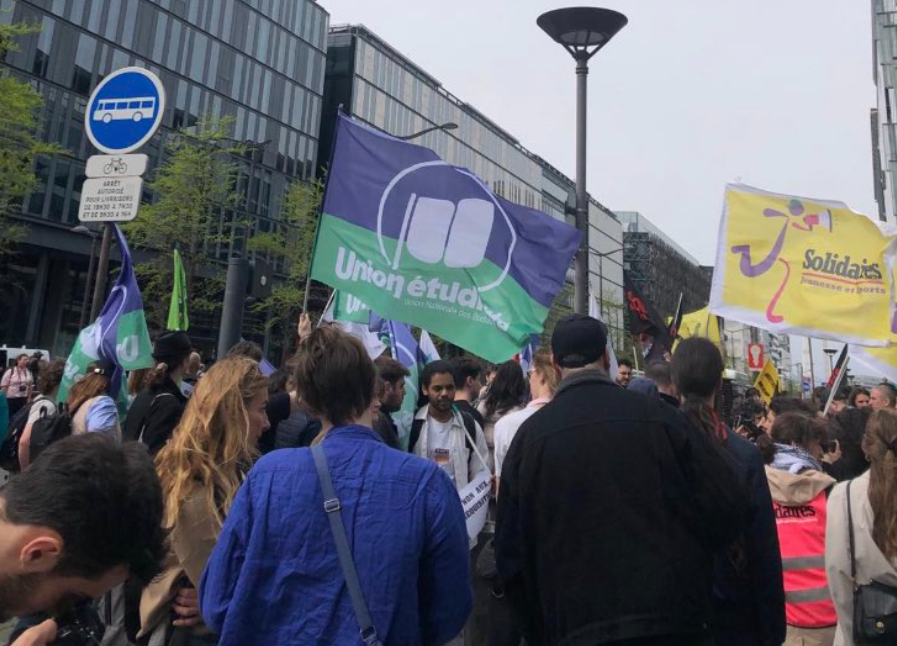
870 562
461 456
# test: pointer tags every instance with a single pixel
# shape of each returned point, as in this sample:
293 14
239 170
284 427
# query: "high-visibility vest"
808 603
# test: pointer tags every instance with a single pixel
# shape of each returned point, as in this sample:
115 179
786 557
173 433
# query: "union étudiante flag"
803 266
426 243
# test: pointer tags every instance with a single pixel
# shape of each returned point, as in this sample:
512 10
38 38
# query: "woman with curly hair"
201 467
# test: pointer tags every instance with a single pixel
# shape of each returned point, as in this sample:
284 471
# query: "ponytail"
157 376
880 446
704 416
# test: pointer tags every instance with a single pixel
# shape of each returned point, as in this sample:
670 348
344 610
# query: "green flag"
177 311
119 335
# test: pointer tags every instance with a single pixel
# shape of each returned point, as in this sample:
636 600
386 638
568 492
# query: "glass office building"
260 62
378 85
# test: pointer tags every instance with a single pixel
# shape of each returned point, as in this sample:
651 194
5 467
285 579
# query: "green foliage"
20 106
294 244
194 192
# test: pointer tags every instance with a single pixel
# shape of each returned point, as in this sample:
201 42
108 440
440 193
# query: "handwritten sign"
475 501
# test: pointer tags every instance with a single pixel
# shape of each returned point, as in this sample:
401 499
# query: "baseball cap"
578 340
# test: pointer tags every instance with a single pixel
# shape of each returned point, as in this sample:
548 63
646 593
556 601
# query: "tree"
194 206
294 245
20 106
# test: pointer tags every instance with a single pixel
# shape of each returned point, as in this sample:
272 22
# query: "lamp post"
582 31
93 254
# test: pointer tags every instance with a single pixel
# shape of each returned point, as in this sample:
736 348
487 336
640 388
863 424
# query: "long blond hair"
880 446
210 448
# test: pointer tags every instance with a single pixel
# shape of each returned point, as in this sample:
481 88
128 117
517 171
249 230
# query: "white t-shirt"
439 445
41 404
506 428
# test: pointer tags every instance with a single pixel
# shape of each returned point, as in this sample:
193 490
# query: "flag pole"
311 262
835 386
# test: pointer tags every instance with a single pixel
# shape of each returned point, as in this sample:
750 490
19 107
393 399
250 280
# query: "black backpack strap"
416 427
471 425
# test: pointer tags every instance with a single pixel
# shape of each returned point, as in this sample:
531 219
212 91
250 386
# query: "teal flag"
177 311
349 308
118 335
426 243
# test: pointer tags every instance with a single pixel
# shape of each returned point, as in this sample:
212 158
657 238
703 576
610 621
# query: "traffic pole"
99 290
234 299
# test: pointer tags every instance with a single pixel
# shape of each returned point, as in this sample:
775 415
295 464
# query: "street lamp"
93 250
582 31
450 125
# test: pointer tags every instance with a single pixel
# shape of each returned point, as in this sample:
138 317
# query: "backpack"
469 423
9 450
50 429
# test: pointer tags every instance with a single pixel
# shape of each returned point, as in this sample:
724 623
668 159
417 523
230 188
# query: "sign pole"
99 290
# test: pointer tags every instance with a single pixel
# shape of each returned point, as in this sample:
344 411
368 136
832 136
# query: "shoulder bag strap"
853 562
149 412
332 507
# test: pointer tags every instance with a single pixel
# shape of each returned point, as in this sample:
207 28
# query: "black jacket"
387 429
155 413
610 510
297 430
748 591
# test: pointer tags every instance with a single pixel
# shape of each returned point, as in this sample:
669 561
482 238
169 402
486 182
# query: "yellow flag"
767 383
700 323
798 266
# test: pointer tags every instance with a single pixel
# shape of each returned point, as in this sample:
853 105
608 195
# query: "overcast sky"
690 95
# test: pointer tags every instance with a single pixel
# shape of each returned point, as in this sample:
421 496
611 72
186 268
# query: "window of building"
159 43
174 46
111 31
42 174
97 9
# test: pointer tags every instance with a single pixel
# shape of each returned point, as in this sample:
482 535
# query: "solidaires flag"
427 243
803 266
177 311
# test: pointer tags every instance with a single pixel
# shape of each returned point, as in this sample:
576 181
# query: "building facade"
884 118
259 63
660 268
376 84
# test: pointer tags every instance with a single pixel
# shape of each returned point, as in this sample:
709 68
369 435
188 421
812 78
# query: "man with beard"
81 519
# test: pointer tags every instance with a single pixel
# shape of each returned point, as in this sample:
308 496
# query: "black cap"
578 340
172 345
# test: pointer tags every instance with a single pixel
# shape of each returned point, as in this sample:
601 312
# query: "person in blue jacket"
275 577
748 590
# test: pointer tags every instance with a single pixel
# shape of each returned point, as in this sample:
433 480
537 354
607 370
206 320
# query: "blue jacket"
274 576
748 592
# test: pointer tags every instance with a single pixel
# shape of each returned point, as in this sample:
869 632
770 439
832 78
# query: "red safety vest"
808 603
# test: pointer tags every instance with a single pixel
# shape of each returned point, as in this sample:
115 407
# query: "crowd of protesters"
227 507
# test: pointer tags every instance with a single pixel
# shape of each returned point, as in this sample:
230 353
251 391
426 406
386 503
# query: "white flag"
427 347
360 331
595 313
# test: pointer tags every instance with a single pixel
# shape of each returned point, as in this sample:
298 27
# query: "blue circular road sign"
125 110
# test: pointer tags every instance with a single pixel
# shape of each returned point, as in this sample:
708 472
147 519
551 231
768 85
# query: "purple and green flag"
427 243
118 335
